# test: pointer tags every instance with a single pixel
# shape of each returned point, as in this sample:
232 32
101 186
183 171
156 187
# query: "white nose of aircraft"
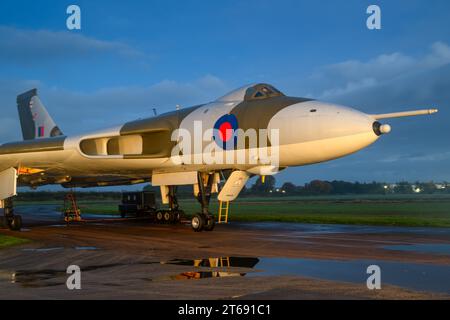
314 131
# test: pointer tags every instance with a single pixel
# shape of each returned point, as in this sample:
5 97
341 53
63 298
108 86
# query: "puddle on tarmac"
433 248
220 265
42 249
46 277
37 279
86 248
422 277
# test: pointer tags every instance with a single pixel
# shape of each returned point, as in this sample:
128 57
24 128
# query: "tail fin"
35 121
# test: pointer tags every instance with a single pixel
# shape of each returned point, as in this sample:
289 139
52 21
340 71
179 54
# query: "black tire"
167 217
210 223
16 223
159 217
197 222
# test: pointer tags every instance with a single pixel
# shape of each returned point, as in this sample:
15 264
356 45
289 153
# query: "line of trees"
320 187
268 188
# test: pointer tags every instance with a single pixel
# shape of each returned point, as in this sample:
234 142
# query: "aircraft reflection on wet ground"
221 262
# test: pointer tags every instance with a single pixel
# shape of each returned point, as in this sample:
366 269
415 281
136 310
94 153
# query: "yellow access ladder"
225 262
224 208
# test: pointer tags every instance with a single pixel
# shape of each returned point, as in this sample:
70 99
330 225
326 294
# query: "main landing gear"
204 221
9 219
174 214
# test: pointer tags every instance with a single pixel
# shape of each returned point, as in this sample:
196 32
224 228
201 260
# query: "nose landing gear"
204 221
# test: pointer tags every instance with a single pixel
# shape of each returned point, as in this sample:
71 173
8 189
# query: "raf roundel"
225 131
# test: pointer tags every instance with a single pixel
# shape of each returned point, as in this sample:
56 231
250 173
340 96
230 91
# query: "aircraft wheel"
197 222
159 217
167 217
210 223
16 223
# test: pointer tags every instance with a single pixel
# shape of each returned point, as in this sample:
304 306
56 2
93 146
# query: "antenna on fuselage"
155 113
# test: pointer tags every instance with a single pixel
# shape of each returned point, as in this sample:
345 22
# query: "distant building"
390 187
440 186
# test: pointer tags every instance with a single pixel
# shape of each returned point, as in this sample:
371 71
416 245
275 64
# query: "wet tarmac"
238 260
435 248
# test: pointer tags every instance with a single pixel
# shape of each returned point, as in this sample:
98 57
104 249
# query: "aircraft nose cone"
385 128
380 129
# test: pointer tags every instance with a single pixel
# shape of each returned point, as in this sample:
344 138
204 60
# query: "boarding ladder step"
224 262
224 208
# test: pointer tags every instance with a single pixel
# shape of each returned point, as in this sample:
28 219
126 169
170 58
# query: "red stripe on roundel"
41 131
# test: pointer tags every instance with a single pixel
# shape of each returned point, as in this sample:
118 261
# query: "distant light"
386 187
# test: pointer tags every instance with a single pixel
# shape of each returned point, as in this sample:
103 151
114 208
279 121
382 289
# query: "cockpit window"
266 90
261 91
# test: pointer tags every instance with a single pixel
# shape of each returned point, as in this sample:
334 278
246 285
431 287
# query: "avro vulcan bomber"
215 147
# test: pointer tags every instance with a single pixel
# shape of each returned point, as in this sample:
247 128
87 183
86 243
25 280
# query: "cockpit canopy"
252 92
261 91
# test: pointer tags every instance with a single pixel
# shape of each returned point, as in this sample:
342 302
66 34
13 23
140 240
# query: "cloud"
435 157
353 75
36 46
417 148
389 83
356 75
